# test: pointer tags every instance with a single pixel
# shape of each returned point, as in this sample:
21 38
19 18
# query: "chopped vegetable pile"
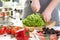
34 20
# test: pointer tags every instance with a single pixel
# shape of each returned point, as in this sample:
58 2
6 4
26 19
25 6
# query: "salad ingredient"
49 31
22 34
34 20
2 29
8 30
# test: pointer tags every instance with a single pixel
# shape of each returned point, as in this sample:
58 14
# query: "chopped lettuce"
34 20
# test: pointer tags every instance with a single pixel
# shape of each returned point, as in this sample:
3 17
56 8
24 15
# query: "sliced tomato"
13 31
4 27
18 28
8 30
2 31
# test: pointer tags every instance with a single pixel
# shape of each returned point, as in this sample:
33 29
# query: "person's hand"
35 5
46 16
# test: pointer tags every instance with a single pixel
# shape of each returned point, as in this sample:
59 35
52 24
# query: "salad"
34 20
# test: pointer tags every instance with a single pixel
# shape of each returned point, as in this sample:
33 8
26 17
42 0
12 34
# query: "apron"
44 4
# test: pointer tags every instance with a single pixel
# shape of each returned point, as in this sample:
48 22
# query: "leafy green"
8 13
34 20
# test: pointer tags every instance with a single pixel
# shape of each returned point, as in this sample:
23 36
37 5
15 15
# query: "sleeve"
27 9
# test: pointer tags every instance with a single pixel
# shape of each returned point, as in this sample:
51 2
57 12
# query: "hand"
35 5
46 16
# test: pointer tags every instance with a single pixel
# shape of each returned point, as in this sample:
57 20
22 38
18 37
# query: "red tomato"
2 31
4 27
13 31
8 30
17 28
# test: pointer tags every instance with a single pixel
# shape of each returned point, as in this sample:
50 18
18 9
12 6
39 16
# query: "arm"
48 11
51 6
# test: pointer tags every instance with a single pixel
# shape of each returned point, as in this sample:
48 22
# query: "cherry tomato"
2 31
18 28
4 27
8 30
13 31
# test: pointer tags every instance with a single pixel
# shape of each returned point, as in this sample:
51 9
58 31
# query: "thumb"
36 10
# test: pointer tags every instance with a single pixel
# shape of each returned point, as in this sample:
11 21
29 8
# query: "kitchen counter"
33 35
7 37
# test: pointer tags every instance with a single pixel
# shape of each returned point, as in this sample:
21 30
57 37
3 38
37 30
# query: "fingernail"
36 10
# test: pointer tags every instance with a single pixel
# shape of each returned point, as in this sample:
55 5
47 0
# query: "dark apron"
44 4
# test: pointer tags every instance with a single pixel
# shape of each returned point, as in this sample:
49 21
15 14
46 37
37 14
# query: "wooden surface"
50 24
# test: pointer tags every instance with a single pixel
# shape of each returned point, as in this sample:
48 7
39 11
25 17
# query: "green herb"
27 33
8 13
34 20
6 0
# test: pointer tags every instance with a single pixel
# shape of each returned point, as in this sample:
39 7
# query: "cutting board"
50 24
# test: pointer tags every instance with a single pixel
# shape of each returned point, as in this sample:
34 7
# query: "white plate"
56 28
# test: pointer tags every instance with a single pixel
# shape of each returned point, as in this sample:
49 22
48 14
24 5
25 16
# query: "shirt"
44 4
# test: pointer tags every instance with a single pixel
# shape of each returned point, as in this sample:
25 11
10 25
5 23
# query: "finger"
36 10
44 18
33 8
47 19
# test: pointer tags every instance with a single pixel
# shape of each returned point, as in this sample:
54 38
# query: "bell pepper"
22 35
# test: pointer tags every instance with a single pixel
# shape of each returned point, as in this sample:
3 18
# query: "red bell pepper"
22 35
